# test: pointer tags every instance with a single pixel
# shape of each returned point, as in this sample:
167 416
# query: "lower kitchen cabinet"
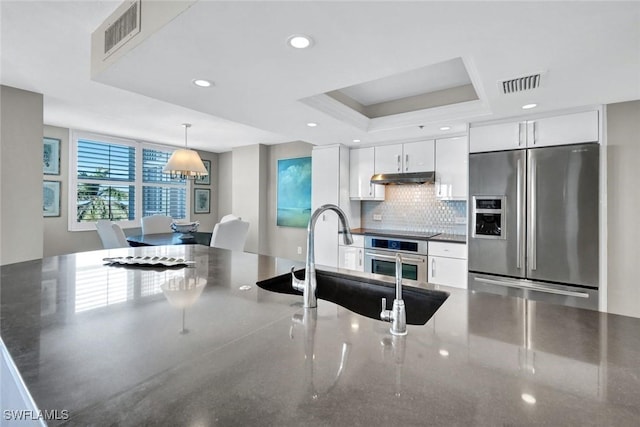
351 257
448 264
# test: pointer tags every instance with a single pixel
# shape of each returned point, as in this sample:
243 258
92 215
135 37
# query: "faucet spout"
308 285
398 276
397 315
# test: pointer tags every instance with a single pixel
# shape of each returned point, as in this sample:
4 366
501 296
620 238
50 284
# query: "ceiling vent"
123 28
520 84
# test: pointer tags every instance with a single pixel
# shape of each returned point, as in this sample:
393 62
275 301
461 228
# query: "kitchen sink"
363 295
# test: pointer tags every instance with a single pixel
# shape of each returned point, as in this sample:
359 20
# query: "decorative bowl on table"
185 228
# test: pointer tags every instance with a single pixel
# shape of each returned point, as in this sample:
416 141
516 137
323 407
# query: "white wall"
283 241
623 207
224 176
247 178
21 221
207 221
249 172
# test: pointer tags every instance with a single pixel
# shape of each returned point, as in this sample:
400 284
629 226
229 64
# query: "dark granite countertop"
415 235
104 343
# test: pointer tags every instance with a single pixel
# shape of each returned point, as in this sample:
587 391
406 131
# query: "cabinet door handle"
370 189
534 133
520 138
433 267
406 163
399 160
360 257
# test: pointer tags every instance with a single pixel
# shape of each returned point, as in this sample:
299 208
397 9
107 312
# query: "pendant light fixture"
185 163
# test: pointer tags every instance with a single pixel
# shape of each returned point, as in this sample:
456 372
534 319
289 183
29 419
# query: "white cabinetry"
361 169
448 264
503 136
573 128
330 184
451 168
405 158
568 129
351 257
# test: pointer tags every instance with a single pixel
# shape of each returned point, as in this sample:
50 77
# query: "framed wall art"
201 201
51 198
205 180
294 192
51 156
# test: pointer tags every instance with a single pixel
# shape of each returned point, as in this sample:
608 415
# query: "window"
120 180
106 175
160 193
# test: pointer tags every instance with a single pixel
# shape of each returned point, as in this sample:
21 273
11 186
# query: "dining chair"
155 224
231 234
229 217
111 235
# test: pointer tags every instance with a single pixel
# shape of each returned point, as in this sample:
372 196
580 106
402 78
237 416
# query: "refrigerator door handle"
532 212
519 214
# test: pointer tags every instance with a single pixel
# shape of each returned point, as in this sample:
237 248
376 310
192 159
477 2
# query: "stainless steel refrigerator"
533 223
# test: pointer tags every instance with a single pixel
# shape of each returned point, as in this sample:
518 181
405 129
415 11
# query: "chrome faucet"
397 315
308 285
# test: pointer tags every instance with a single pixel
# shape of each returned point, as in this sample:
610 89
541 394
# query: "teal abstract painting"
294 192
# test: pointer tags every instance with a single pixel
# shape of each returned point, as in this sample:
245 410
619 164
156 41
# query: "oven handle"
391 257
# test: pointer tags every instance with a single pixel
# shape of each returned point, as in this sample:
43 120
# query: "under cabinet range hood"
403 178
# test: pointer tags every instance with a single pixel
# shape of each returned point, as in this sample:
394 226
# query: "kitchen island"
117 345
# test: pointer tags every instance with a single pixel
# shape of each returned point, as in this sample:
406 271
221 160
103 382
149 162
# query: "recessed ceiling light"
531 400
445 128
312 124
202 82
300 41
443 352
529 106
356 140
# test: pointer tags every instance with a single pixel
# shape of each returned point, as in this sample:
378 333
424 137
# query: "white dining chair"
231 234
229 217
156 224
111 235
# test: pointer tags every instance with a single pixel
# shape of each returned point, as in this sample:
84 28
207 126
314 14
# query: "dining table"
161 239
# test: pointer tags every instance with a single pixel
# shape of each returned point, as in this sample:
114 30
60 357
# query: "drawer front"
358 240
448 271
450 250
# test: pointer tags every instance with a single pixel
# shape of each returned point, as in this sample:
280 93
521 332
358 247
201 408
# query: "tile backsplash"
415 208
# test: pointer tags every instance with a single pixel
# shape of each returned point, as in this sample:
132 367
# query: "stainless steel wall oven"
380 255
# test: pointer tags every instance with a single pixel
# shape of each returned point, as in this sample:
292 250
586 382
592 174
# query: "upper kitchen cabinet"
405 158
568 129
419 156
451 168
503 136
361 169
330 184
573 128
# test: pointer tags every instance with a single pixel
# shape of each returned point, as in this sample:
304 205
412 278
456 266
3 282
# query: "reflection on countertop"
102 342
